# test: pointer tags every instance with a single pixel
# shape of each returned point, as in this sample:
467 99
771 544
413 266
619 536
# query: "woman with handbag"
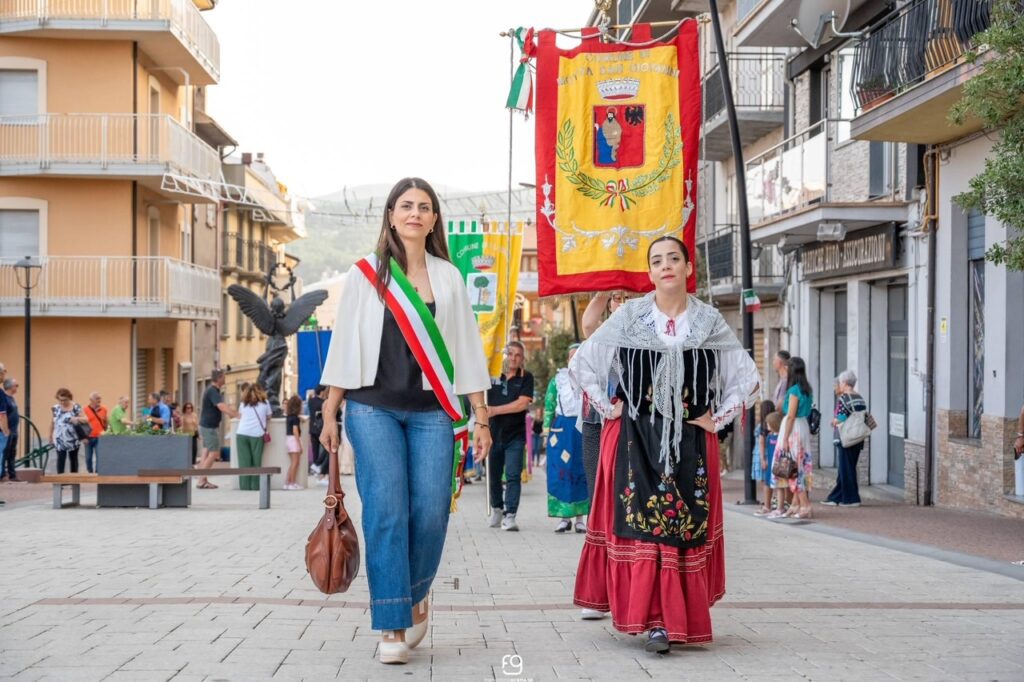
411 347
795 439
654 553
852 429
68 429
252 432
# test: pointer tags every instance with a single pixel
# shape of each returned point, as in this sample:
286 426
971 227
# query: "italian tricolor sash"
421 333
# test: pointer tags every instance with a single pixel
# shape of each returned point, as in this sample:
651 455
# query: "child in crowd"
761 469
780 486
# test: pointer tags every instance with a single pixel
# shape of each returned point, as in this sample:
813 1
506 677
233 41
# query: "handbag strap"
335 495
262 425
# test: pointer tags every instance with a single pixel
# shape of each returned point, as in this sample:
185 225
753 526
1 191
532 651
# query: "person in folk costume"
567 482
653 555
405 302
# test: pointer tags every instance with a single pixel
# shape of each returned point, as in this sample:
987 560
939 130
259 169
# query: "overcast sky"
357 92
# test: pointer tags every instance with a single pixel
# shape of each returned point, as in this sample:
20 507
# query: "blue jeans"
508 457
404 475
92 447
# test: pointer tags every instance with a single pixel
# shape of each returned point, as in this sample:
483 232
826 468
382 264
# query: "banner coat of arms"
617 138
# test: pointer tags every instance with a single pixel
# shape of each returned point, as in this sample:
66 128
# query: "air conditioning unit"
831 232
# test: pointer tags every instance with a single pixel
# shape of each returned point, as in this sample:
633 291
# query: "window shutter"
19 92
19 234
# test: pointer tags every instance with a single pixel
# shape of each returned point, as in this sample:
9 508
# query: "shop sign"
864 251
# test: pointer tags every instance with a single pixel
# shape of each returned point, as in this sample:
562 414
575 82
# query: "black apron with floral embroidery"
651 506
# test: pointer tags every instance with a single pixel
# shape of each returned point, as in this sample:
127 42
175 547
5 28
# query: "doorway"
897 387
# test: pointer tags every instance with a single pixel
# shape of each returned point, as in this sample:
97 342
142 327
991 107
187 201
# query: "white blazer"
355 342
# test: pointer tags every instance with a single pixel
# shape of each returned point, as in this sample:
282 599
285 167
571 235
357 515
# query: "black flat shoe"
657 641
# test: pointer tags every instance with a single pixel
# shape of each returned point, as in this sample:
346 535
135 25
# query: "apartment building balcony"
792 189
909 70
114 286
758 83
144 147
724 262
171 32
246 257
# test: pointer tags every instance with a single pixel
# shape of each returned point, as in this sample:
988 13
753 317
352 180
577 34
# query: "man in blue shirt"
159 413
9 451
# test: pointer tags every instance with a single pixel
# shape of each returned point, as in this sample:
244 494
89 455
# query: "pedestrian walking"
253 426
846 492
97 416
65 440
795 439
567 482
412 346
654 549
212 410
293 427
10 449
508 400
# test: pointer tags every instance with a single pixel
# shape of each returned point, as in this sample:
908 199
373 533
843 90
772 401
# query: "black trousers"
7 465
70 456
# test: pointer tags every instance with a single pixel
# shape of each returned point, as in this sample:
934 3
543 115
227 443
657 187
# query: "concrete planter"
126 455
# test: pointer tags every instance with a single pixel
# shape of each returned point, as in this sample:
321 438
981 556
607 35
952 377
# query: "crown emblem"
483 262
619 88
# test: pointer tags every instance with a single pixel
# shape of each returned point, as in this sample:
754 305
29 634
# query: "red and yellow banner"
617 139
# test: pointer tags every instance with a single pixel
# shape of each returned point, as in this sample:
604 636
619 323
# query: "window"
19 233
976 321
846 106
879 168
19 92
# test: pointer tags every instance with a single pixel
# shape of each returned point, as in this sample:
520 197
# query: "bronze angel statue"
278 322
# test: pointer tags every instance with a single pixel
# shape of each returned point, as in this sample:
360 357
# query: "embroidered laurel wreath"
610 192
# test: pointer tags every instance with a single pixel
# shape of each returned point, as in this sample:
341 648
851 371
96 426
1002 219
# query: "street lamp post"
746 275
28 271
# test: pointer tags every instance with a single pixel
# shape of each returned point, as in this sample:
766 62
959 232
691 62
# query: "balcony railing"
758 83
789 176
246 255
181 16
912 42
724 260
108 143
117 286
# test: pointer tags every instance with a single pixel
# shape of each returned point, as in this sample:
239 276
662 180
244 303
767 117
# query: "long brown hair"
254 394
389 244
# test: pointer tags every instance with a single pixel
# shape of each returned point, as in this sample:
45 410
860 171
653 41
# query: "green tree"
480 282
996 97
545 362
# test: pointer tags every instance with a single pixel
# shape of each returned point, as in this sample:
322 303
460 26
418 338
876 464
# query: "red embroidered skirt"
645 584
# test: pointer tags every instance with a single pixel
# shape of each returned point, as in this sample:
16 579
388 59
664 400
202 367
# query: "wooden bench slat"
71 479
188 473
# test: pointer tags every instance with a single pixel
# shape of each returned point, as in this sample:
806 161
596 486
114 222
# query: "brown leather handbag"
332 550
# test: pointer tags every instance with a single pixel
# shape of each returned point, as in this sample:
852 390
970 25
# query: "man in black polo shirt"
508 401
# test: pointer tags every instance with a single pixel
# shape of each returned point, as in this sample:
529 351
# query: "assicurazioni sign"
863 251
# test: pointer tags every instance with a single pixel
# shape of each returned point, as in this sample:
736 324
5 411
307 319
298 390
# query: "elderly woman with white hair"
845 493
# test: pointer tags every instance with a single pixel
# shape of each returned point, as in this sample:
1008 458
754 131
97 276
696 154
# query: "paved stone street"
219 592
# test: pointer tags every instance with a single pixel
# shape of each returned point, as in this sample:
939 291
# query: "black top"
509 427
315 404
290 422
399 381
209 415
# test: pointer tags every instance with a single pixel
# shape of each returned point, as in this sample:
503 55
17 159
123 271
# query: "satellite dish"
818 21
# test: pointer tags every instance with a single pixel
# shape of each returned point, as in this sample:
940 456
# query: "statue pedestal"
275 454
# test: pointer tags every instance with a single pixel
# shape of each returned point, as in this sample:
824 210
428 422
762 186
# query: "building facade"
105 183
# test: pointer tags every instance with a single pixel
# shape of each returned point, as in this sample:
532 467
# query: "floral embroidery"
666 513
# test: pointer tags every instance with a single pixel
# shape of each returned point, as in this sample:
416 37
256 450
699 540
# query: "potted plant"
142 447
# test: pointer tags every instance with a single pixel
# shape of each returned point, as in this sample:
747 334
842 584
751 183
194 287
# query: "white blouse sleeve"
740 382
590 369
343 361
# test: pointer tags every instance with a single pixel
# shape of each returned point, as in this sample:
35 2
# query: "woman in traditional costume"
567 483
654 553
408 348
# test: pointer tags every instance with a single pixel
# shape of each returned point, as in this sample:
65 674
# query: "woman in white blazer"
402 438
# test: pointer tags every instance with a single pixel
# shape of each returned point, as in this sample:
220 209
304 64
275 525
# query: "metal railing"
104 141
791 175
758 82
915 40
722 251
247 255
181 16
115 285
